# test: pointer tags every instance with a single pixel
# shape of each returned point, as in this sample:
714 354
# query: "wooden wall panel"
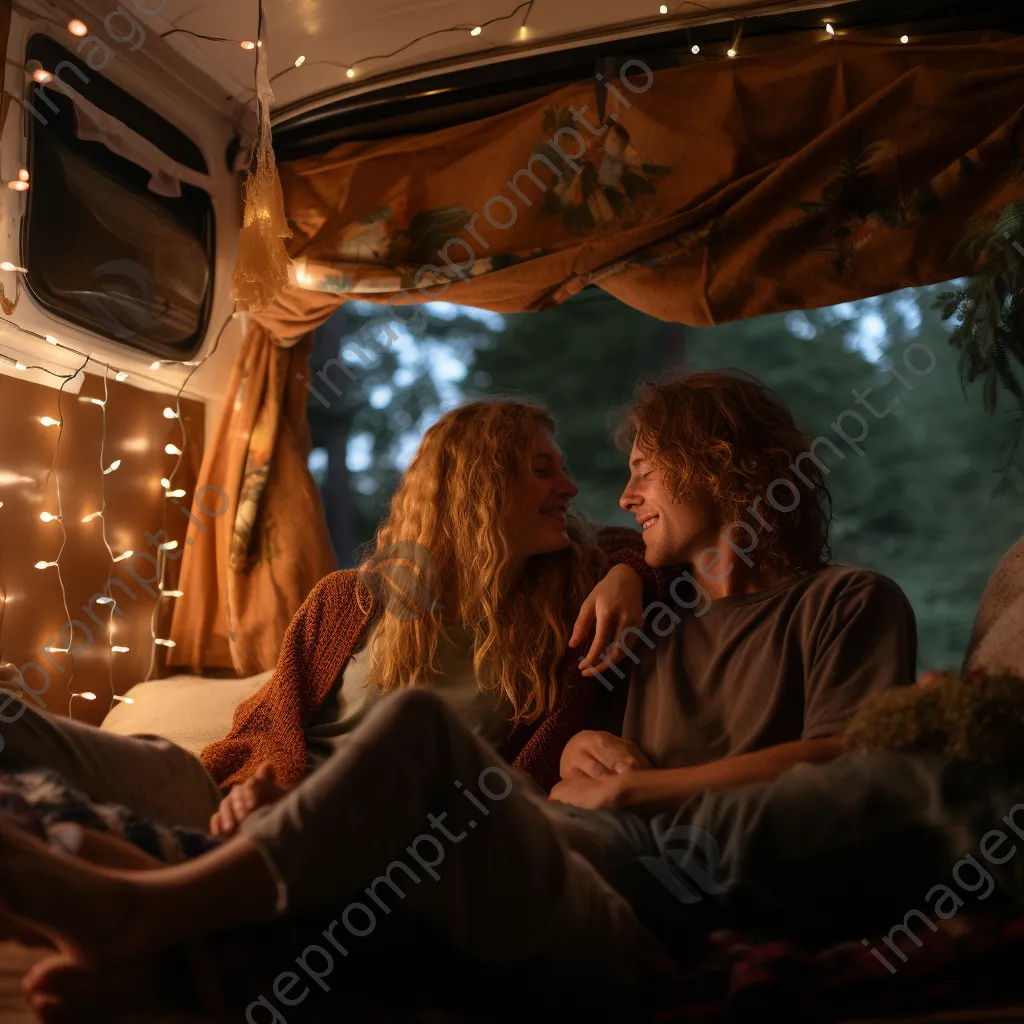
32 612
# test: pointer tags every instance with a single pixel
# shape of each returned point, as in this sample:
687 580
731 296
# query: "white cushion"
191 711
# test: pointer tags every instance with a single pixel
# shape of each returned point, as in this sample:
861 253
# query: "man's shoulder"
851 582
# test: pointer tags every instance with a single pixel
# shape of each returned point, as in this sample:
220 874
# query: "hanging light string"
161 556
119 375
107 598
475 30
64 534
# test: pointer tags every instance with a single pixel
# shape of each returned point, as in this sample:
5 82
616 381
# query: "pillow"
191 711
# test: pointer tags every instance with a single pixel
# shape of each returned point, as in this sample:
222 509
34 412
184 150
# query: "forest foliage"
929 494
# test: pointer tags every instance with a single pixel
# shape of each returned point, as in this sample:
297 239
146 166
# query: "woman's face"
535 521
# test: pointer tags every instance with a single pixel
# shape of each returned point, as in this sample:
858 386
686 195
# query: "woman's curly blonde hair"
446 533
725 436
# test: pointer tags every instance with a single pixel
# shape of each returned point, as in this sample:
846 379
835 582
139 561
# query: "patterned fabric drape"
788 179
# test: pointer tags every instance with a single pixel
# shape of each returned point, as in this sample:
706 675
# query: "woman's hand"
261 790
616 604
592 754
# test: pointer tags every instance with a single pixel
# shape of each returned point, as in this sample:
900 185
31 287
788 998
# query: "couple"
501 773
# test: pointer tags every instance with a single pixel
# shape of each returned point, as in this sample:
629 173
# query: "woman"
479 573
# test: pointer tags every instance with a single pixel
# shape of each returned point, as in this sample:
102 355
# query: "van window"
119 228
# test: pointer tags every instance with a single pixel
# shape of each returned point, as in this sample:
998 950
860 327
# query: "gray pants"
413 814
415 818
151 775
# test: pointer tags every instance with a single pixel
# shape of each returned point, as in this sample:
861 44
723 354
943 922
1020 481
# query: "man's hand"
593 755
600 794
259 791
616 604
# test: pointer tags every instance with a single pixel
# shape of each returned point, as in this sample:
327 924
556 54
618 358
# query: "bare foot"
89 910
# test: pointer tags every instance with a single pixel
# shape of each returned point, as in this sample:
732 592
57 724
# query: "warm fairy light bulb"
165 643
78 28
120 650
58 650
904 39
104 600
351 73
730 52
18 186
524 32
42 76
9 267
112 467
120 375
247 44
172 593
663 9
21 366
475 31
23 175
829 29
49 421
695 48
48 517
44 565
164 482
169 413
155 365
168 545
127 554
51 339
85 695
91 516
93 401
178 492
172 449
299 61
123 700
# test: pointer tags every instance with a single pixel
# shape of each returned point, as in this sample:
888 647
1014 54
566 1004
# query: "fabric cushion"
191 711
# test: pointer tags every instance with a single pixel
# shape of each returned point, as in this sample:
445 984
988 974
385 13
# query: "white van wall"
149 69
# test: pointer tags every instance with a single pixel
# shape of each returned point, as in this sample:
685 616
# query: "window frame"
147 122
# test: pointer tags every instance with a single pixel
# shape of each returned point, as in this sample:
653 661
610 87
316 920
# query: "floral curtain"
799 177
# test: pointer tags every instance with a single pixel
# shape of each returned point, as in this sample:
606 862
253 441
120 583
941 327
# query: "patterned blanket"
38 800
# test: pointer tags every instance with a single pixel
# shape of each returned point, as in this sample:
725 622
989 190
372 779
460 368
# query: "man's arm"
665 788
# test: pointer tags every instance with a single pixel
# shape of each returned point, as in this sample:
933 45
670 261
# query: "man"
761 651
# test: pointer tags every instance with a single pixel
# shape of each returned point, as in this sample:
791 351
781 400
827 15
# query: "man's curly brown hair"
726 436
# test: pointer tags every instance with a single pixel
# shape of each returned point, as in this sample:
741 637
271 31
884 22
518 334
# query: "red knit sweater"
329 626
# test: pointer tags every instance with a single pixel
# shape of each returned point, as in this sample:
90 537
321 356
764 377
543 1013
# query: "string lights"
105 470
351 67
734 46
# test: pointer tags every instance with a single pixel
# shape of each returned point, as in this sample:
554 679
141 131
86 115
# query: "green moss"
975 718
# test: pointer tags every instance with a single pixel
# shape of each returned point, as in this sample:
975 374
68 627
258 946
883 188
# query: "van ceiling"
417 66
379 39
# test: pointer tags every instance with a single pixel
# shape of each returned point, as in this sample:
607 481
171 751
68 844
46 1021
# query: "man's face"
674 532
